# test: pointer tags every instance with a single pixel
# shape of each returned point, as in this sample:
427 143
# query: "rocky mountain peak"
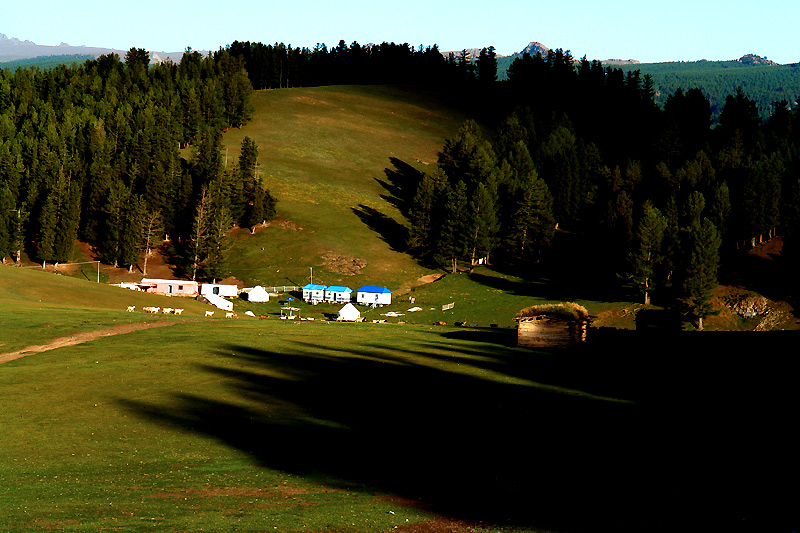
753 59
534 48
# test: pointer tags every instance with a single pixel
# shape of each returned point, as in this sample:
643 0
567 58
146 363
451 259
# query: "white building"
336 293
314 292
370 295
230 291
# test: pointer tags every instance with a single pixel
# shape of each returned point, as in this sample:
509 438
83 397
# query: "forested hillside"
567 165
764 84
45 62
654 199
92 152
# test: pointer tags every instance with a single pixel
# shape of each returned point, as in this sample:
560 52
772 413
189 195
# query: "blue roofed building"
370 295
336 293
314 292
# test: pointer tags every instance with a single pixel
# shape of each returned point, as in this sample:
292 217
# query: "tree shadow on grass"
391 232
401 184
618 436
549 285
570 270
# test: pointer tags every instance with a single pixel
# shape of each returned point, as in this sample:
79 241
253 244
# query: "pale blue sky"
648 31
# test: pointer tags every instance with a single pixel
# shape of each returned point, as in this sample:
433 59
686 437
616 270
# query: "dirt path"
80 338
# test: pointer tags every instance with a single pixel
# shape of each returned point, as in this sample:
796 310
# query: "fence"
283 288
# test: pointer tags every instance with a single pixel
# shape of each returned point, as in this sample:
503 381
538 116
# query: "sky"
678 30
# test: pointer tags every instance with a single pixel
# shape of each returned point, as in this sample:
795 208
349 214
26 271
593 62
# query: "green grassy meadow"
321 426
279 425
323 152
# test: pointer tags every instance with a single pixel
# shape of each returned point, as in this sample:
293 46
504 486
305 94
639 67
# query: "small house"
369 295
336 293
229 291
552 325
255 294
217 301
172 287
314 292
348 313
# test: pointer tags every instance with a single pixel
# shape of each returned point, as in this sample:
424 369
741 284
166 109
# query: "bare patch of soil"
310 101
342 264
80 338
209 492
43 523
282 224
439 525
428 278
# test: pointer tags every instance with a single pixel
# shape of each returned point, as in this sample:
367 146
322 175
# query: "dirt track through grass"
80 338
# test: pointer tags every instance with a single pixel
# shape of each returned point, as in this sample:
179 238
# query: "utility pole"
312 275
19 239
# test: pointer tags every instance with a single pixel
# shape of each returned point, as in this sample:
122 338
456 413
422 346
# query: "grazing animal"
177 311
131 308
230 314
262 317
167 310
209 313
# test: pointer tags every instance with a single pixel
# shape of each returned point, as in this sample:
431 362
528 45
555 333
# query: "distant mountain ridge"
14 49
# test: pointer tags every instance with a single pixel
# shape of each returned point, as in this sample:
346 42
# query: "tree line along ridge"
560 147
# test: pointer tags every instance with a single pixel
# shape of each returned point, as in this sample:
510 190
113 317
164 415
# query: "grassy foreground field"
312 426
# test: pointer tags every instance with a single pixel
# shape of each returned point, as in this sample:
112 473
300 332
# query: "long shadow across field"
391 232
627 433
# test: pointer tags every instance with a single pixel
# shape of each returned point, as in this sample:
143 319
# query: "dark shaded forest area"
565 155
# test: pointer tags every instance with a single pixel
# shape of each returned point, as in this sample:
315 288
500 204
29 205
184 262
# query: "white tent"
256 294
349 313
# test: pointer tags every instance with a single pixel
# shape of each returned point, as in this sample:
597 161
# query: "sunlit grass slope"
258 425
38 306
321 152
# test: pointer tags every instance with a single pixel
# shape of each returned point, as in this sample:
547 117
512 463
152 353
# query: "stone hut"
552 325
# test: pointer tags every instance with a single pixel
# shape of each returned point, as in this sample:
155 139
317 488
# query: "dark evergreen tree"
643 261
262 208
700 279
217 244
420 216
468 157
530 230
7 217
114 236
151 231
482 225
487 66
199 238
452 242
68 222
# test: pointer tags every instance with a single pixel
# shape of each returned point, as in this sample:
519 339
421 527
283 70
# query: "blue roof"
338 288
311 287
370 288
